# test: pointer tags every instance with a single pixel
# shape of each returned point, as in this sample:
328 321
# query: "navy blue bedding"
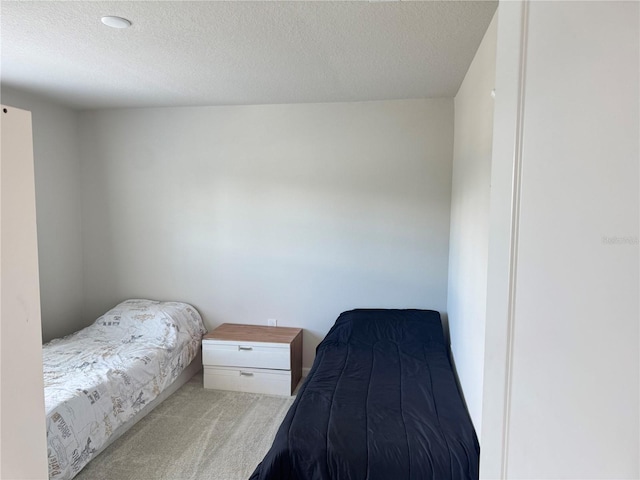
380 402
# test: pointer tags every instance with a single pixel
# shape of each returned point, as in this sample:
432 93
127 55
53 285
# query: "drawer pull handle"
240 347
246 374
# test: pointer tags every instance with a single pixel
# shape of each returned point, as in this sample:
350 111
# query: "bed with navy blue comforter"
380 402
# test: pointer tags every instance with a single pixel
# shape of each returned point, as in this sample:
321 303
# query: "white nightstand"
251 358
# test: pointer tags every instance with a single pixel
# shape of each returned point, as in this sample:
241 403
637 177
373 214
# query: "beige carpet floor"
194 434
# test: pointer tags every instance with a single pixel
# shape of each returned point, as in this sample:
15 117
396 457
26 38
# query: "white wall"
293 212
572 346
469 235
22 439
57 179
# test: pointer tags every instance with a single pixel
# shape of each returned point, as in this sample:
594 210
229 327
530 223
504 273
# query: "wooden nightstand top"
253 333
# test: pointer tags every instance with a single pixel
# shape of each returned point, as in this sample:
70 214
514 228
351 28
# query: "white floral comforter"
98 378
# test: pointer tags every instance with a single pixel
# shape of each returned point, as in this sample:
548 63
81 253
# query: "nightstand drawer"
272 382
250 354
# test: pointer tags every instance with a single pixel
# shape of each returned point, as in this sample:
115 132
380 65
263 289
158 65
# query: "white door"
23 451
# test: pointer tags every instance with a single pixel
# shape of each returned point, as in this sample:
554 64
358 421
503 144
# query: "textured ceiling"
225 53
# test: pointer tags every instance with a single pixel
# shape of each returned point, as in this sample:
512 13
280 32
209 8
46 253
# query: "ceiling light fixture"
116 22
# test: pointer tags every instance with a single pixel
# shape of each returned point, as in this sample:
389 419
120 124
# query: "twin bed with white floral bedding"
101 379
